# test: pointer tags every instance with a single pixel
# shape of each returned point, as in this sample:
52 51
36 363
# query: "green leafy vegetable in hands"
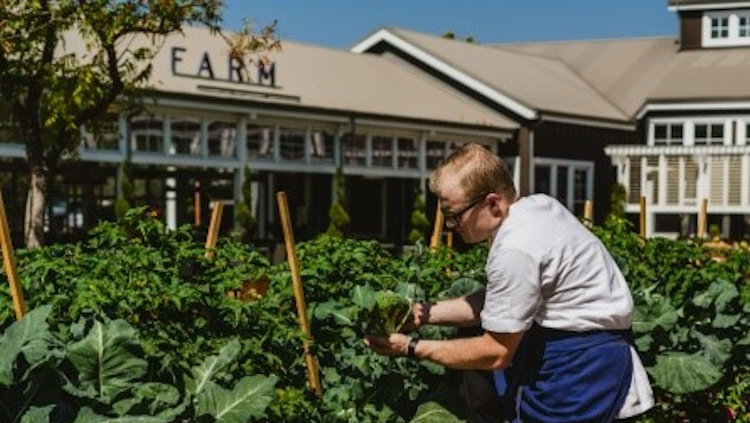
390 314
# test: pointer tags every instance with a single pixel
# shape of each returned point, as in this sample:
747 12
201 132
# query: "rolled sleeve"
513 292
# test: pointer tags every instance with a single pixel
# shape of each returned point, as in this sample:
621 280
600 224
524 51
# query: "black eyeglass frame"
454 219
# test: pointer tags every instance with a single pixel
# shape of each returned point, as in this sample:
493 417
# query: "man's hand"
396 344
420 317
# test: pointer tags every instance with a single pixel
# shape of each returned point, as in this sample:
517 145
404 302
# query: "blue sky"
341 23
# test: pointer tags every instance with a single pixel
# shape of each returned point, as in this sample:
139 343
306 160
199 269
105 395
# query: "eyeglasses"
452 220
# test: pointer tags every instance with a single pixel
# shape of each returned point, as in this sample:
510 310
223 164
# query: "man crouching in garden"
556 310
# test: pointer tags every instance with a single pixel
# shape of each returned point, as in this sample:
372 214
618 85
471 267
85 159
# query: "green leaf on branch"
249 398
681 373
105 362
432 412
203 374
30 337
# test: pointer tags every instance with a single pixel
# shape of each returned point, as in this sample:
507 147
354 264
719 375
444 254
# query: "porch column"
526 155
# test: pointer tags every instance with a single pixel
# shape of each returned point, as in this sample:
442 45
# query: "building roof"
324 78
543 84
633 72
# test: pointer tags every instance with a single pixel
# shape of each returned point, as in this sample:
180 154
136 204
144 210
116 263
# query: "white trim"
674 107
448 70
645 150
589 122
707 6
501 134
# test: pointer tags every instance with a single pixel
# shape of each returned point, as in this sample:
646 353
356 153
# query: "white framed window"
719 27
743 25
570 181
709 133
726 28
668 133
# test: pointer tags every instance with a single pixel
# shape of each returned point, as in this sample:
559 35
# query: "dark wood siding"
690 30
575 142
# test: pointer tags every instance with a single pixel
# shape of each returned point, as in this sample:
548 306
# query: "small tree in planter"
245 220
337 213
420 225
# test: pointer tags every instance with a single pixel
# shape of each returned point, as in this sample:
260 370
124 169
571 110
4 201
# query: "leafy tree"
53 91
617 198
246 221
337 213
125 197
419 223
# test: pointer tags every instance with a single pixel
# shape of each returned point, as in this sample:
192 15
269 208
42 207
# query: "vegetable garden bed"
136 323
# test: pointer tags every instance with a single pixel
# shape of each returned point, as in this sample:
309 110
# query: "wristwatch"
412 346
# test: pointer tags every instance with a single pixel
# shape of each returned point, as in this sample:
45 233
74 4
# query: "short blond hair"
480 170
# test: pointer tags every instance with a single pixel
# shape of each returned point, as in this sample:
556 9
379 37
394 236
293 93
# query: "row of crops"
136 324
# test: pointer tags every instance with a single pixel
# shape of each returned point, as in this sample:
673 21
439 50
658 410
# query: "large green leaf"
655 312
248 399
205 372
462 286
105 362
86 415
38 414
342 315
364 297
716 350
681 373
30 337
719 293
432 412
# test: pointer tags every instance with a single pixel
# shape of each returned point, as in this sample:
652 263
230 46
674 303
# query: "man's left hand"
395 344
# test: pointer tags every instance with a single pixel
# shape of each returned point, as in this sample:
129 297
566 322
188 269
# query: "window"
726 28
102 134
709 133
259 142
382 151
322 147
146 133
221 138
435 153
668 134
744 26
571 182
292 144
719 27
185 134
355 149
408 153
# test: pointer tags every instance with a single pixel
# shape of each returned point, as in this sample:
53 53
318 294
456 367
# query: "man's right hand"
420 317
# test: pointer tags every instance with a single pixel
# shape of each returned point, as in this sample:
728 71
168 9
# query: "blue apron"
567 377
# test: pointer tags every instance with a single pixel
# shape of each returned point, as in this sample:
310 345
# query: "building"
667 117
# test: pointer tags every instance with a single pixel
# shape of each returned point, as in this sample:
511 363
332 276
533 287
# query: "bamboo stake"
643 217
299 294
703 219
10 265
213 229
437 231
197 203
449 239
588 213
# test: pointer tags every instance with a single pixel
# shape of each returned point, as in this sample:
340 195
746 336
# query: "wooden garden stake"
588 213
213 229
197 203
437 232
643 217
703 219
299 294
449 239
10 265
